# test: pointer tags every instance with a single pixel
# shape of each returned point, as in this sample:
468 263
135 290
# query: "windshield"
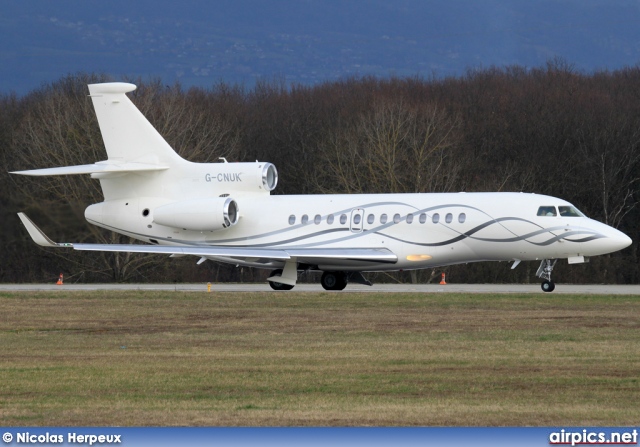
570 211
563 211
547 211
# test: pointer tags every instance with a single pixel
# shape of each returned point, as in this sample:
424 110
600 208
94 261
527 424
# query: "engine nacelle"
241 177
209 214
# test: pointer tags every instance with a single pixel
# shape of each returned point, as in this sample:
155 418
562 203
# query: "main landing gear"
329 280
544 272
334 280
339 280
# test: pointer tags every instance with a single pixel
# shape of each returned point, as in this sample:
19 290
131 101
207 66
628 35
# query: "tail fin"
138 156
127 135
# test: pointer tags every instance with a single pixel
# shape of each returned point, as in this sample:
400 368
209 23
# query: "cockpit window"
569 211
547 211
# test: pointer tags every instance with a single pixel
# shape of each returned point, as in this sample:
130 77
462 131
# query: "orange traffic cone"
60 282
443 282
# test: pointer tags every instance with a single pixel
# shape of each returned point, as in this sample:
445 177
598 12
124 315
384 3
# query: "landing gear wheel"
548 286
333 280
279 285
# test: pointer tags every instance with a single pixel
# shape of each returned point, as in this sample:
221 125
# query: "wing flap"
213 251
335 255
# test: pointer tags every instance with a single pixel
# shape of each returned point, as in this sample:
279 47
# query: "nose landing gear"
544 272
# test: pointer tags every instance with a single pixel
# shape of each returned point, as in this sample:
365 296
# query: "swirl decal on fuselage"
344 233
380 230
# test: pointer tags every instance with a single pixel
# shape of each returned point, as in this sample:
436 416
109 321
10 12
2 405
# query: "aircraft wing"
323 256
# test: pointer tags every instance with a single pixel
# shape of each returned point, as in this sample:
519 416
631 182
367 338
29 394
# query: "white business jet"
225 212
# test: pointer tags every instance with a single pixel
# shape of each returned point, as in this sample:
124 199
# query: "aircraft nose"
619 240
611 240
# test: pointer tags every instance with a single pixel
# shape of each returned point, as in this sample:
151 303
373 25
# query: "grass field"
328 359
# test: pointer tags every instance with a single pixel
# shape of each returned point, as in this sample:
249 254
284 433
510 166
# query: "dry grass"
329 359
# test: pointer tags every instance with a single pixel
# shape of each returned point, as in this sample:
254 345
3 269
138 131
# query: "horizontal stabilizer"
96 168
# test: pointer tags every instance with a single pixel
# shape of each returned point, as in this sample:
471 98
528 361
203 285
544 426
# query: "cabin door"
357 220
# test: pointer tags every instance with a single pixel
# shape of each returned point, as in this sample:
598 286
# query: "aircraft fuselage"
423 230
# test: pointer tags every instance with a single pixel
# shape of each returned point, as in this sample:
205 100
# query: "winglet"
37 234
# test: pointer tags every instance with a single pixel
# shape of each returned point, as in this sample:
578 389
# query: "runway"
592 289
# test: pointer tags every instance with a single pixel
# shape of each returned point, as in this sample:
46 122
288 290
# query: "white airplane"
225 212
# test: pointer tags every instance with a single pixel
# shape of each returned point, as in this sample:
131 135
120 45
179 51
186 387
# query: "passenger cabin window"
409 218
547 211
330 219
304 219
292 219
317 219
343 219
423 218
370 219
396 218
383 219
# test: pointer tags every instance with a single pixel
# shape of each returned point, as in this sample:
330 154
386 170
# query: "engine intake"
209 214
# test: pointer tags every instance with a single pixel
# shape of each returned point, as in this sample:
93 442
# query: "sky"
201 43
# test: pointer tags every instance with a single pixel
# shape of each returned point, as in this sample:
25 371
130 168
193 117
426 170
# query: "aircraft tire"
333 280
548 286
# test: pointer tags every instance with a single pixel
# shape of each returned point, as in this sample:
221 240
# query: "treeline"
548 130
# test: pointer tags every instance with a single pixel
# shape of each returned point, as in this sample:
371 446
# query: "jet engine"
241 177
208 214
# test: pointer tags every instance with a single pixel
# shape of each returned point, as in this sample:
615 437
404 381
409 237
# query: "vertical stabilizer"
127 134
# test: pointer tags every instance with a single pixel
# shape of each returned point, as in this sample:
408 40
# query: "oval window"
343 219
292 219
356 219
383 218
423 217
435 218
462 217
304 219
317 219
409 218
370 219
330 219
396 218
448 218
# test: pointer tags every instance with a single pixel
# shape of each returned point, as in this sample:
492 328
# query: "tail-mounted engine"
241 177
217 213
208 214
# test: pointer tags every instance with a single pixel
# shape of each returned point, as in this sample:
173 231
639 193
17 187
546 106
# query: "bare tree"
612 157
392 148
